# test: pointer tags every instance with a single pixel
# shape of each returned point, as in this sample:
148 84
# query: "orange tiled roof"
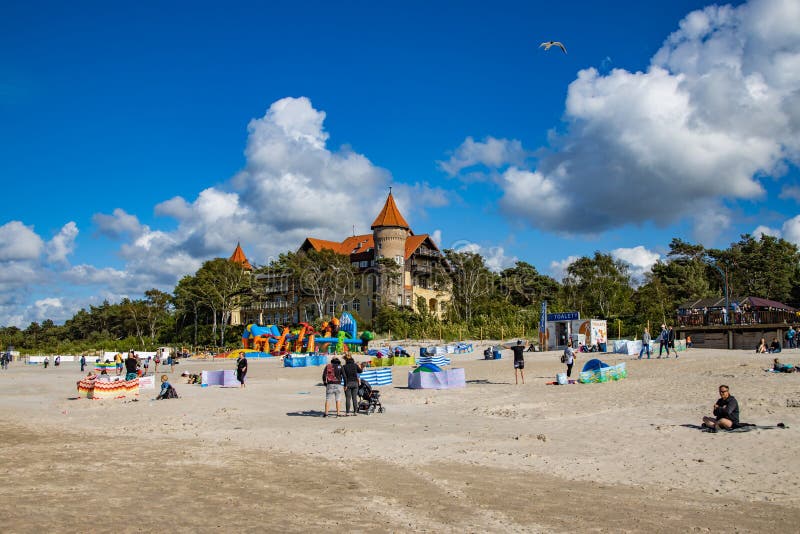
413 242
389 215
352 245
239 257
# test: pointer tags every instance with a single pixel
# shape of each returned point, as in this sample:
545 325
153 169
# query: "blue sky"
137 140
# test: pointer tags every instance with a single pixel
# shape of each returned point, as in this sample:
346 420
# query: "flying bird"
548 44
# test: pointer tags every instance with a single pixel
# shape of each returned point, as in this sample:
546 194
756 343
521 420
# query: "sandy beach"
615 457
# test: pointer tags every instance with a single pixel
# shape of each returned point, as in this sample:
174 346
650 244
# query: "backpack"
330 375
564 357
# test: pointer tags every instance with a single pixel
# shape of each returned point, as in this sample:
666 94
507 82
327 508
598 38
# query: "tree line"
483 303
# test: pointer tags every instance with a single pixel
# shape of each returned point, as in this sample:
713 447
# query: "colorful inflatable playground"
303 345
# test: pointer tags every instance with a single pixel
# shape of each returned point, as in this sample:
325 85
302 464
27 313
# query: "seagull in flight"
548 44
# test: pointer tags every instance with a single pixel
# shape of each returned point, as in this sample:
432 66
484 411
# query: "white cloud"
436 236
762 230
492 153
791 230
62 244
717 109
559 268
117 225
640 259
494 257
19 242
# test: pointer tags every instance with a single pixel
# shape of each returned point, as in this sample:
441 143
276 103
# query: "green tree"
471 282
599 286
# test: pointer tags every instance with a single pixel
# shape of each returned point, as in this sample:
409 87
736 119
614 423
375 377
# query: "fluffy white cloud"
559 268
762 230
791 230
494 256
62 244
19 242
718 108
638 258
492 153
117 225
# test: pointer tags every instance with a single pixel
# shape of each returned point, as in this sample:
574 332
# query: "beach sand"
615 457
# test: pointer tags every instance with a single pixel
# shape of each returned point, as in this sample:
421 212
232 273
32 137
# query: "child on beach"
167 391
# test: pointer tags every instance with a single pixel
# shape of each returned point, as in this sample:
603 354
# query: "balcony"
717 318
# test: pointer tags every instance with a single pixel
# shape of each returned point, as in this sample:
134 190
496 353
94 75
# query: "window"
344 306
356 305
399 300
399 260
331 307
408 300
363 263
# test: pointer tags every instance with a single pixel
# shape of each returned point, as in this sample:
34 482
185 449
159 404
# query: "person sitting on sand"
726 412
762 346
774 347
104 376
167 391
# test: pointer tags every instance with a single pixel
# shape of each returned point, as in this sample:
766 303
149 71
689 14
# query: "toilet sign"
563 316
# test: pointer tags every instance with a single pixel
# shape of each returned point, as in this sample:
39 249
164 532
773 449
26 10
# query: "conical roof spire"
389 215
239 257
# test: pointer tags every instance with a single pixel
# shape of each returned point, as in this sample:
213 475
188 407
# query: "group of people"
666 340
342 380
772 348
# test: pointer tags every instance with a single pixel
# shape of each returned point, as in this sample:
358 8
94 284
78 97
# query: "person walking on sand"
156 361
241 369
519 361
645 343
726 412
83 362
671 342
46 362
663 341
332 378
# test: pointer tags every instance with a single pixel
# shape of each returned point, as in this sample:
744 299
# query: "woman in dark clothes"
241 369
351 372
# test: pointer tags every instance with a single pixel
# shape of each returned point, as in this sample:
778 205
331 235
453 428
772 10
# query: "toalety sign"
564 316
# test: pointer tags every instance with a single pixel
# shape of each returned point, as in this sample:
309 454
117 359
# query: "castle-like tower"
390 231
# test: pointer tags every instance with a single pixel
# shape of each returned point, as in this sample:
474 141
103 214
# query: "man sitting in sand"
726 412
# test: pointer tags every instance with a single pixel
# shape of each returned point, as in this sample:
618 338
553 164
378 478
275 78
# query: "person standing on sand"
118 363
156 361
645 343
46 362
241 369
569 357
332 378
130 366
83 362
350 371
519 361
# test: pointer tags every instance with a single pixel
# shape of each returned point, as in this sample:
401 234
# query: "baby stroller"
369 399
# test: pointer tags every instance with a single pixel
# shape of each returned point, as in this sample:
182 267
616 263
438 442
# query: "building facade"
416 278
